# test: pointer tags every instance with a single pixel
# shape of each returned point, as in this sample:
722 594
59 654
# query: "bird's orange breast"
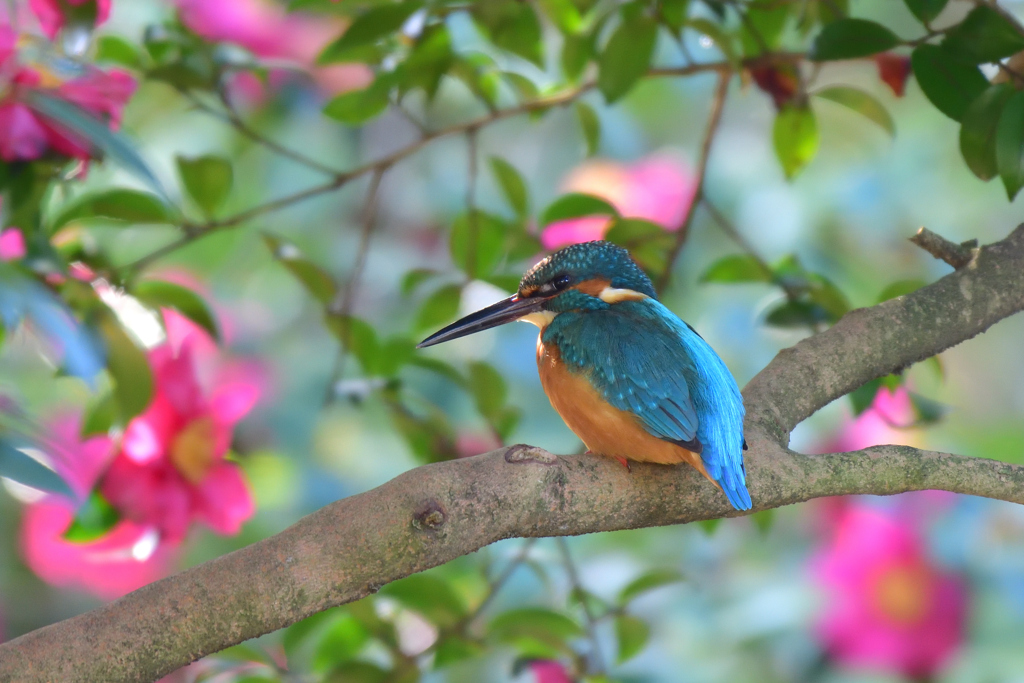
605 429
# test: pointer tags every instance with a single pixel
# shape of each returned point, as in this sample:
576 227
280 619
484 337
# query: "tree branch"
435 513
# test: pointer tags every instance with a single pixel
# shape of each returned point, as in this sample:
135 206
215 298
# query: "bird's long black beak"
505 311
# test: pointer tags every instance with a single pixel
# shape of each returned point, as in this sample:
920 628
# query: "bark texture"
433 514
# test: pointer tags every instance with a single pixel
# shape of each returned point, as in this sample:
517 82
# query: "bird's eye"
562 282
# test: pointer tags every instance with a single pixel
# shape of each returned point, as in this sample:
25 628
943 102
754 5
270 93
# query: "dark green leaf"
414 278
673 13
118 51
359 337
93 520
488 389
511 25
100 416
452 649
85 126
985 35
298 636
563 14
860 102
1010 144
852 38
590 124
736 268
927 410
647 582
862 397
795 136
634 232
512 186
24 469
534 622
358 672
207 180
978 130
342 640
948 82
576 205
130 206
159 294
926 10
430 596
316 281
356 107
900 288
440 307
369 27
394 353
626 57
796 314
429 60
823 292
577 51
476 242
764 24
632 634
129 368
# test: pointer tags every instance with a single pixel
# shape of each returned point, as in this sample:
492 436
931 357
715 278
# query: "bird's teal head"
581 277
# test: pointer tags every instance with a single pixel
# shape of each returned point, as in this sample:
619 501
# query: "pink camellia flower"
52 14
12 245
25 135
170 469
128 557
548 671
889 607
265 29
658 189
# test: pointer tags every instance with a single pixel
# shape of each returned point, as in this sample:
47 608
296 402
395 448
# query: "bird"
628 377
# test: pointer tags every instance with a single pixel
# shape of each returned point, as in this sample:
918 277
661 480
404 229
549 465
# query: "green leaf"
511 25
158 294
948 82
130 206
207 180
985 35
93 520
360 338
673 13
768 22
860 102
534 622
359 672
576 205
85 126
563 14
24 469
428 61
476 242
927 410
414 278
724 41
1010 144
577 51
648 582
626 57
316 281
129 368
926 10
590 124
452 649
763 520
429 595
440 307
852 38
512 185
297 636
100 416
342 640
795 136
978 130
900 288
369 27
118 51
791 314
356 107
488 388
632 634
736 268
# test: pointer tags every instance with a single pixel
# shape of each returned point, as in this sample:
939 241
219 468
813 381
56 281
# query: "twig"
956 255
342 305
502 579
472 220
570 567
717 106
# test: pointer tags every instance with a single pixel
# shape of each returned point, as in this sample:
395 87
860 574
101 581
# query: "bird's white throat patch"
612 295
539 318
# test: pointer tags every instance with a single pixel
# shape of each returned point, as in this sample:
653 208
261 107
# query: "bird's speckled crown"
588 261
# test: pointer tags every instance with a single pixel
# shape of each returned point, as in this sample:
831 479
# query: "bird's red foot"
625 463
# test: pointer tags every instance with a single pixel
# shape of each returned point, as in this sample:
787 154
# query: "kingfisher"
628 377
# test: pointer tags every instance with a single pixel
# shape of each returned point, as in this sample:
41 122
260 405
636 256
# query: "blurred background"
916 587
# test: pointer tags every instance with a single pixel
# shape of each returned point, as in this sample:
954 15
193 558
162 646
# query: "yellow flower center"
901 594
192 450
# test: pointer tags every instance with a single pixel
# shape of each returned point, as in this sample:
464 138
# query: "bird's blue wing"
637 363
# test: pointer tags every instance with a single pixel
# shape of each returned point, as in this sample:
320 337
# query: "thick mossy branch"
433 514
